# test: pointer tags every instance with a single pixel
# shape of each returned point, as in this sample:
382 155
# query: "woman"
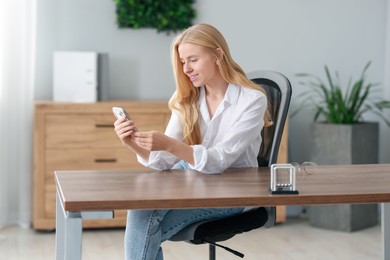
217 117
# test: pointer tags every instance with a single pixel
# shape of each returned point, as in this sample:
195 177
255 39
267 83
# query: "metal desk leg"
68 233
60 227
69 228
386 230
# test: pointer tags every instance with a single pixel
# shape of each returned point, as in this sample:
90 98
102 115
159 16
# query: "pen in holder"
283 179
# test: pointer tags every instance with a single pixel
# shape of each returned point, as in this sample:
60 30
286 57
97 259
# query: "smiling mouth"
193 77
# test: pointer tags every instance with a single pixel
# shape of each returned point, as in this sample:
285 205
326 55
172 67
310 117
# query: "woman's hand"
156 141
142 143
125 129
152 141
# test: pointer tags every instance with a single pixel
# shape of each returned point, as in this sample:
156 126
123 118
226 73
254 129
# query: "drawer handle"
104 125
105 160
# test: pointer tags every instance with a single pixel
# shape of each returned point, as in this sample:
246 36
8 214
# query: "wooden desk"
95 194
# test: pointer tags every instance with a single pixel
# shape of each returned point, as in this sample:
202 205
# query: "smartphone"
120 112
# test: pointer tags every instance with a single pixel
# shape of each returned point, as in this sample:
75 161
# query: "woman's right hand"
125 129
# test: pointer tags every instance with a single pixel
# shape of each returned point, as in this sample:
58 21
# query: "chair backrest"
278 89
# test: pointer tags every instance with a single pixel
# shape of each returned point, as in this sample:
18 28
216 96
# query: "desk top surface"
148 189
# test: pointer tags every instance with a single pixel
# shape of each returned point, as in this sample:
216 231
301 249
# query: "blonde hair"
186 98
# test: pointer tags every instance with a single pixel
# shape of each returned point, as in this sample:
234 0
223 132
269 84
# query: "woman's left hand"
152 141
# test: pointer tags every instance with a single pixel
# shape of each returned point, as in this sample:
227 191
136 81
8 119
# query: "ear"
219 54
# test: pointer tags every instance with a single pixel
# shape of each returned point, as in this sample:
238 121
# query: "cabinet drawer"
93 159
50 206
83 159
93 130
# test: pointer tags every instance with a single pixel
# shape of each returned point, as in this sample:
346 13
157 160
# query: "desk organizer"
283 179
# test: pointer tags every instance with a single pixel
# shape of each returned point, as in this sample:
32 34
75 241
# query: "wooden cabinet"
72 136
75 136
282 158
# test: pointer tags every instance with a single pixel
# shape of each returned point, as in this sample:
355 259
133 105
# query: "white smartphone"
120 112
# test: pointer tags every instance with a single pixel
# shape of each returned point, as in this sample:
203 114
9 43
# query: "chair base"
212 250
212 254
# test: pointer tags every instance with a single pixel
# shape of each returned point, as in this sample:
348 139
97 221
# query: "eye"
194 60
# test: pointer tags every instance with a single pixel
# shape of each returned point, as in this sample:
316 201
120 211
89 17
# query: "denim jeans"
147 229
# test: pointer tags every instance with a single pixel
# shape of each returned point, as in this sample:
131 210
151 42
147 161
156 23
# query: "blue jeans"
147 229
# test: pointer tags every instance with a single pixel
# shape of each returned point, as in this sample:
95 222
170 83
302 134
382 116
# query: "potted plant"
340 135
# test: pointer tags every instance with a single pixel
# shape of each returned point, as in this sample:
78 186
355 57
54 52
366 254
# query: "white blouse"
230 139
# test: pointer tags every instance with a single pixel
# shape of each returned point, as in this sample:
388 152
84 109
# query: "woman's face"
198 64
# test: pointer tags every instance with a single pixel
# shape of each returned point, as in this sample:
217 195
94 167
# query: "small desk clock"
283 179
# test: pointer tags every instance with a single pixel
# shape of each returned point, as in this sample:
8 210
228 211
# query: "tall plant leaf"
335 106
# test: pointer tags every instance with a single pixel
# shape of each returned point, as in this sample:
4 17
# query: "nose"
187 68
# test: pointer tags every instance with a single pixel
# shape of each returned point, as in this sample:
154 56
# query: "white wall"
287 36
385 145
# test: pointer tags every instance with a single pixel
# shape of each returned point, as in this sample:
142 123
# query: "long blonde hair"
186 97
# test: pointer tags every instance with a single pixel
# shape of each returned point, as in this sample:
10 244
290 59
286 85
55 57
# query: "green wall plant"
164 15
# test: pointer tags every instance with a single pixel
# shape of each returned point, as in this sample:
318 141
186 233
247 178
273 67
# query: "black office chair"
278 90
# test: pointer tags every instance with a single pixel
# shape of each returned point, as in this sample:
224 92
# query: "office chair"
278 89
